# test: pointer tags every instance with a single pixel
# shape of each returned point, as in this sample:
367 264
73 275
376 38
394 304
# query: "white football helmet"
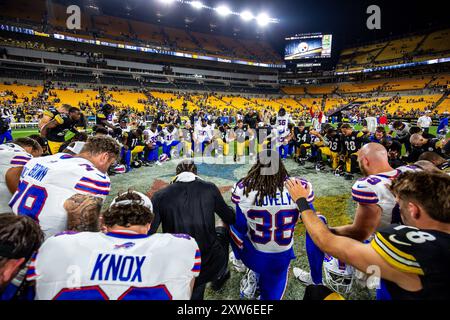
338 275
119 169
163 158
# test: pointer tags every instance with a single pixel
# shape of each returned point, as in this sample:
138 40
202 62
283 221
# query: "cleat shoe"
238 265
303 276
249 285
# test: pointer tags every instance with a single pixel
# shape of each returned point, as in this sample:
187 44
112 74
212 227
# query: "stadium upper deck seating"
147 32
112 25
124 30
411 48
436 42
397 49
28 11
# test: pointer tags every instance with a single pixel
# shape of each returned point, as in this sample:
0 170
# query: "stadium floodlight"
223 10
197 4
263 19
167 1
247 16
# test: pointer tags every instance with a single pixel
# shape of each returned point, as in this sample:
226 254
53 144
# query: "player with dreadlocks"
263 233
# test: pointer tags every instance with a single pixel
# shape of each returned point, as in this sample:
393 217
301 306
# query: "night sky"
345 19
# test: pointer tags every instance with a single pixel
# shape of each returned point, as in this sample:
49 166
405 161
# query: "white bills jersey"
268 223
374 189
11 156
283 121
152 136
47 182
401 133
282 135
169 137
115 266
202 134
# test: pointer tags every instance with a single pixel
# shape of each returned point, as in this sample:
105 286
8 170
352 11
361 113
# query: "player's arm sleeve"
59 119
32 274
395 247
197 259
363 193
224 211
20 160
48 113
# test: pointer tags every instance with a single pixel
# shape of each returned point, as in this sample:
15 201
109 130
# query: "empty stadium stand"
414 48
105 27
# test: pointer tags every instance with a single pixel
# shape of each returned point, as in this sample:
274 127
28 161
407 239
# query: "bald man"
376 204
377 207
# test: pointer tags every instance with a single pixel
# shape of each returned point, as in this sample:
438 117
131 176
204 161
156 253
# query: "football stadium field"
333 200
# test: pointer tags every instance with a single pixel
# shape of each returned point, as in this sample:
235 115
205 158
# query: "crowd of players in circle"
52 191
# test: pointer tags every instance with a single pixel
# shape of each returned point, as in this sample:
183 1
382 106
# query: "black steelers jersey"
425 253
302 136
58 133
223 134
335 143
354 142
241 134
51 112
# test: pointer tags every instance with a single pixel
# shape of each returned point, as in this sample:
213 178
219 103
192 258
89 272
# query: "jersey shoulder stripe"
395 257
92 190
197 262
20 160
100 184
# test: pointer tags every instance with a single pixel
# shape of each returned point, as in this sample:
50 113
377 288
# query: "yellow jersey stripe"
394 249
394 263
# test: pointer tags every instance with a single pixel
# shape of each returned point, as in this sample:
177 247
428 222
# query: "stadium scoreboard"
308 46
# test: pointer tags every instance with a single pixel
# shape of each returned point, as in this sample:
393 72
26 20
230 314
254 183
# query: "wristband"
303 204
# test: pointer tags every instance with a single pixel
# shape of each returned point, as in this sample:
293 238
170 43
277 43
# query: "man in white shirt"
424 122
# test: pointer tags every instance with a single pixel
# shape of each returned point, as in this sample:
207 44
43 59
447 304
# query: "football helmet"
118 169
338 275
163 158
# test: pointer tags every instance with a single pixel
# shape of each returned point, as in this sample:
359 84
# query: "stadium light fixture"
223 10
247 16
167 1
263 19
197 4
